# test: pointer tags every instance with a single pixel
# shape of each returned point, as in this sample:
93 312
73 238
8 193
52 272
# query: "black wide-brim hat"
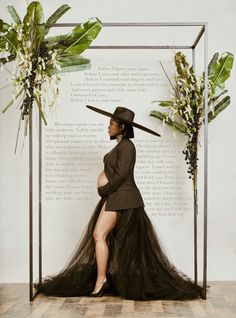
124 114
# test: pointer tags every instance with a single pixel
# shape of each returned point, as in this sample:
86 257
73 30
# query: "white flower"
20 34
28 93
30 65
28 44
43 64
28 83
3 33
212 108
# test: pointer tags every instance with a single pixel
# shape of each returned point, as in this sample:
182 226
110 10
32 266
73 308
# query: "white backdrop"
63 224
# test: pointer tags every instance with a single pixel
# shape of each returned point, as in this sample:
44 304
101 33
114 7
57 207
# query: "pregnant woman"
120 252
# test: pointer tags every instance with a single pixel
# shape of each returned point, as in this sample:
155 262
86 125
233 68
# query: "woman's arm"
125 156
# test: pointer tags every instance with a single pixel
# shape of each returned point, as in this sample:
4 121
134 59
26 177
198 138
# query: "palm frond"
174 124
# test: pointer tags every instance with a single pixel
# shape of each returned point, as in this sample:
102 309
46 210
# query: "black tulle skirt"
137 267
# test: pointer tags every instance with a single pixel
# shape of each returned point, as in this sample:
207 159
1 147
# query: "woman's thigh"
105 222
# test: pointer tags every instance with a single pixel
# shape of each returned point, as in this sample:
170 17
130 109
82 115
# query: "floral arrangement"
185 110
38 59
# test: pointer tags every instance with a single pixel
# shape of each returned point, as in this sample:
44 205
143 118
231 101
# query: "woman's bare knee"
105 223
99 236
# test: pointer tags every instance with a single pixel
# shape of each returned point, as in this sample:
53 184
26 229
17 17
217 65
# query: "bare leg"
106 222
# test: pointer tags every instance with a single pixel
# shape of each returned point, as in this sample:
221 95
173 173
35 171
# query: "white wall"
222 153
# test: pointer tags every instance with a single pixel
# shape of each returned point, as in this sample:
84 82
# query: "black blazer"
121 190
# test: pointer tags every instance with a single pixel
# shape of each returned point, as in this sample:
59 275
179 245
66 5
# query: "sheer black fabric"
137 268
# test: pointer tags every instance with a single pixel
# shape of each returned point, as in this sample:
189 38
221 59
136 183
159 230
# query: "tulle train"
137 268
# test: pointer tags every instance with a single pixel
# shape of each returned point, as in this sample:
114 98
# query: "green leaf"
75 68
73 63
14 14
10 37
56 16
219 95
166 103
82 35
174 124
220 70
56 42
34 24
12 101
218 108
212 63
72 59
40 109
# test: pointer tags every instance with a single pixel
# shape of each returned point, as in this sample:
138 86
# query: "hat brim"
103 112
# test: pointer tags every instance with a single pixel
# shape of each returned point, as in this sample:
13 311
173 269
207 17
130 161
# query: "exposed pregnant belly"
102 179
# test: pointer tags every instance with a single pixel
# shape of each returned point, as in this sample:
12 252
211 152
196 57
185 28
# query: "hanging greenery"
185 110
38 59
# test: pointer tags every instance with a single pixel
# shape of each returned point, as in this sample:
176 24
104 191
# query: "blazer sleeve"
125 156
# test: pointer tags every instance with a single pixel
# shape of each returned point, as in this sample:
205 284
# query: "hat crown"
124 113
